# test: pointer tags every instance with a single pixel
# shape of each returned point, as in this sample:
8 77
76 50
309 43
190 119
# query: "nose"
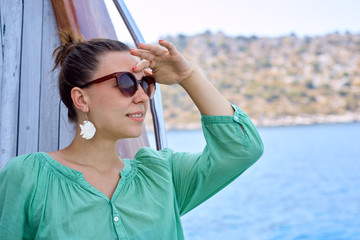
140 95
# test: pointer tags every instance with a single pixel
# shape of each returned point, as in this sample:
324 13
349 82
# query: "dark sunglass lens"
127 85
148 84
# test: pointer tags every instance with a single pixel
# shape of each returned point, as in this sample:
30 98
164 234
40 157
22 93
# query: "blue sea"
305 186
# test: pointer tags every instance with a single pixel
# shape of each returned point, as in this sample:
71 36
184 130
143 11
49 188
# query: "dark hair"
78 60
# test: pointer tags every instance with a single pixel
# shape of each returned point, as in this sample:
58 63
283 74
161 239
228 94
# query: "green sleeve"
232 145
16 188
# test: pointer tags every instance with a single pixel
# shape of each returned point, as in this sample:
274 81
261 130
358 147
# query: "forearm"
206 97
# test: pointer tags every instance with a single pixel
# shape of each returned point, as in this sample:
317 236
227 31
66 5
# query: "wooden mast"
91 20
88 18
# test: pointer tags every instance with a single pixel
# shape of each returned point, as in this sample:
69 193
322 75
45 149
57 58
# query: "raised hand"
168 65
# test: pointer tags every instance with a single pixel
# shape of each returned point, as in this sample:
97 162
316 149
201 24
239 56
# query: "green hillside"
277 81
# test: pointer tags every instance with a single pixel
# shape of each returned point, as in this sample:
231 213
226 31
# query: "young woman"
86 191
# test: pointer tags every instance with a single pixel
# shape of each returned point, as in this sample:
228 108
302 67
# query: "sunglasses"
128 84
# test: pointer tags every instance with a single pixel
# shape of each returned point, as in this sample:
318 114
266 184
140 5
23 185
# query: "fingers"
148 72
146 50
169 46
152 55
142 54
156 50
143 64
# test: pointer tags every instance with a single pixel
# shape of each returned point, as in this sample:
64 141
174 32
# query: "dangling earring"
87 129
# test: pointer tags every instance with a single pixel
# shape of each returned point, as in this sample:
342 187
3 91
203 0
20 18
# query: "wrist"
194 76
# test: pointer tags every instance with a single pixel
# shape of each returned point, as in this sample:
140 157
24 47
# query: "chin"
134 134
137 135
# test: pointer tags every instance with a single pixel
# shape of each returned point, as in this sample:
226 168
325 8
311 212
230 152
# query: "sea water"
305 186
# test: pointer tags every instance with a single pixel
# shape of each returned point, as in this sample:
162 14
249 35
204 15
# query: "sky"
264 18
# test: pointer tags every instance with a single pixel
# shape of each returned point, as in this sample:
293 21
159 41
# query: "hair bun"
69 41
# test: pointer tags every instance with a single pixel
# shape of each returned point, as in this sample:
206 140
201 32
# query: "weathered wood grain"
30 76
49 97
11 27
1 49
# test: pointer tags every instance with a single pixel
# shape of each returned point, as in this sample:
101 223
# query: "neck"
98 152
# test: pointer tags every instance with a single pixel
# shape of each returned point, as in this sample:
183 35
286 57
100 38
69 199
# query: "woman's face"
114 115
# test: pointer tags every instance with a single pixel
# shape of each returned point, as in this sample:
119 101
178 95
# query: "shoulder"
166 155
148 160
150 154
19 180
22 167
24 161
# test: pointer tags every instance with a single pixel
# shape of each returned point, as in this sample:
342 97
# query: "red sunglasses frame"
117 75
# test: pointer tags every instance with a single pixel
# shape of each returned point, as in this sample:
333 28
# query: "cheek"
101 103
104 95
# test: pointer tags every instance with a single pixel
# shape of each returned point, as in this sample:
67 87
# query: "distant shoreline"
306 120
276 122
282 81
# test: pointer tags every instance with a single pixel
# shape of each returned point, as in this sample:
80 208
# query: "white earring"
87 129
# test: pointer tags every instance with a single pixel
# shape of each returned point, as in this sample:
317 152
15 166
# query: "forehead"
111 62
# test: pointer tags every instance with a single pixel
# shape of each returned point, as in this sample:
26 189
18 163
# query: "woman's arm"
170 67
233 143
206 97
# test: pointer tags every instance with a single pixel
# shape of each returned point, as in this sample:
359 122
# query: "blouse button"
116 219
236 118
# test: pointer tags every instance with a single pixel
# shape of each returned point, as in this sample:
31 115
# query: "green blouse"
42 199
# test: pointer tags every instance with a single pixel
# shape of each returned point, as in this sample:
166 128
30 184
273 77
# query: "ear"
78 97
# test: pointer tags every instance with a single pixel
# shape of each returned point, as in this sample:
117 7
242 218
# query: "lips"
137 116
